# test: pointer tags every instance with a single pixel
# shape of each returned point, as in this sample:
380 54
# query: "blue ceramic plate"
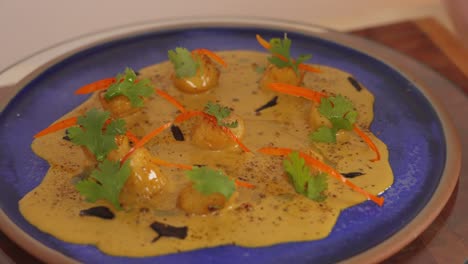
404 119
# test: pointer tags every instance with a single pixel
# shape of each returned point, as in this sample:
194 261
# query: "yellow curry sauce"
271 213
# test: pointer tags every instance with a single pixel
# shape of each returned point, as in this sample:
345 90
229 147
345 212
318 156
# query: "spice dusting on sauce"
166 205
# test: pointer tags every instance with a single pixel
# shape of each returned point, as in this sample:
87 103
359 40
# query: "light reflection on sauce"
272 213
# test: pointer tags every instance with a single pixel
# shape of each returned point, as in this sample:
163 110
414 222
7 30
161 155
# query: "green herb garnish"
340 112
208 181
105 182
184 63
220 112
126 85
93 136
281 54
311 186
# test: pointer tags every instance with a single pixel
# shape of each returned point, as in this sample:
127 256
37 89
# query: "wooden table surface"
446 239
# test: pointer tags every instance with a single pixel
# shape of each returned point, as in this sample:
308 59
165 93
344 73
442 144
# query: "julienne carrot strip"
324 168
132 137
263 42
297 91
309 68
302 66
236 139
58 126
187 115
169 164
171 100
145 139
275 151
212 55
368 142
244 184
96 86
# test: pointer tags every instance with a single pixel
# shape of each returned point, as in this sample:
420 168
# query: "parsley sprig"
184 63
126 84
281 54
93 136
105 182
207 181
340 111
220 112
311 186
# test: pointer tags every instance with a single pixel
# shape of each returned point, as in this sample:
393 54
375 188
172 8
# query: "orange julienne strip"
212 55
57 126
309 68
368 141
236 139
171 100
145 139
263 42
324 168
95 86
244 184
169 164
132 137
296 91
187 115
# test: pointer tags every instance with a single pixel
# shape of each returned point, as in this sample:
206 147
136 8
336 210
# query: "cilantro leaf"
105 182
127 85
208 181
184 63
340 111
315 187
91 135
312 186
324 134
281 54
220 112
335 106
281 46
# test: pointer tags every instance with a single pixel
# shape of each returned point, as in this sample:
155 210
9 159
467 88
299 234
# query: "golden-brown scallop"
287 75
123 147
207 77
192 201
316 119
207 135
118 106
146 179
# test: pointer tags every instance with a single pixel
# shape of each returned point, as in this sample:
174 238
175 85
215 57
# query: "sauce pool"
271 213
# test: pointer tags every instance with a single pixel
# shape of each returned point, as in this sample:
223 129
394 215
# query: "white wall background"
29 26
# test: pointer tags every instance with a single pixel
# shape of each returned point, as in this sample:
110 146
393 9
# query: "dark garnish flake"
355 83
177 133
352 174
169 231
271 103
98 211
66 137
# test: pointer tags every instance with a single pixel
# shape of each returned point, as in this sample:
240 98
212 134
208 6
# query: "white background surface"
29 26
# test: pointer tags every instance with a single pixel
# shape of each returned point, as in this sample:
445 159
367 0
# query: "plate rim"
379 252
